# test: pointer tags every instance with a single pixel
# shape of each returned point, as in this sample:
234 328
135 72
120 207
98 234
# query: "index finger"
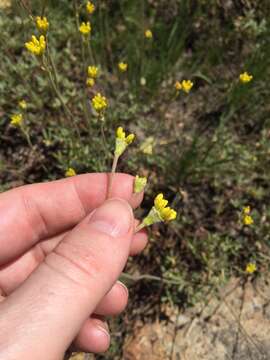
32 213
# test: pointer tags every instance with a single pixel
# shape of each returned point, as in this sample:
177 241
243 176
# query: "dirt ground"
232 325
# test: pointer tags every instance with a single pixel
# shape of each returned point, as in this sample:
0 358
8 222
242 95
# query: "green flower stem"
86 111
27 136
58 94
106 150
140 227
50 58
90 52
125 276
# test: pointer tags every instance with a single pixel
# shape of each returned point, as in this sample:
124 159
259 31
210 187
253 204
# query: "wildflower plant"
139 184
251 268
17 120
70 172
245 77
90 7
42 24
122 66
99 104
160 212
36 46
246 216
85 28
22 104
148 34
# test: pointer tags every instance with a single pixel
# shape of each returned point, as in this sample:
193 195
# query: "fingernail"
123 286
114 217
102 330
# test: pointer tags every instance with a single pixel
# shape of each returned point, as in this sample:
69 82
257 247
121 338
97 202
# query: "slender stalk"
27 136
50 58
140 227
114 165
86 111
126 276
90 53
68 113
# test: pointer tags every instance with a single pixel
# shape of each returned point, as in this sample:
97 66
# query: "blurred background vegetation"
208 151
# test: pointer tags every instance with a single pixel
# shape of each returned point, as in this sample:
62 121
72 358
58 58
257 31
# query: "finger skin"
93 337
14 273
32 213
114 302
66 288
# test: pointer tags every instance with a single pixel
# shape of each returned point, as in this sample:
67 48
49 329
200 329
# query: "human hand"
62 251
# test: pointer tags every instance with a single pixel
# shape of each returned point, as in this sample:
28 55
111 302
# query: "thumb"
44 315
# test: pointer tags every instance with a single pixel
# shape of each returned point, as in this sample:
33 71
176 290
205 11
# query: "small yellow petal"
122 66
148 34
90 7
130 138
42 23
85 28
251 268
92 71
245 77
70 172
22 104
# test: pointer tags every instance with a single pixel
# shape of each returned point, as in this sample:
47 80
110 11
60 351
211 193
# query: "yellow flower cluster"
160 212
99 103
122 66
85 28
165 212
42 24
22 104
90 7
16 119
122 141
92 72
185 85
245 77
70 172
148 34
251 268
90 82
35 46
246 217
139 184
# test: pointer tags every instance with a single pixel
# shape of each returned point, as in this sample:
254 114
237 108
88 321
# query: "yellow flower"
122 66
16 119
139 184
99 102
245 77
251 268
42 23
35 46
166 213
147 145
246 210
90 7
159 212
22 104
92 71
178 86
122 141
85 28
186 85
90 82
70 172
148 34
247 220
